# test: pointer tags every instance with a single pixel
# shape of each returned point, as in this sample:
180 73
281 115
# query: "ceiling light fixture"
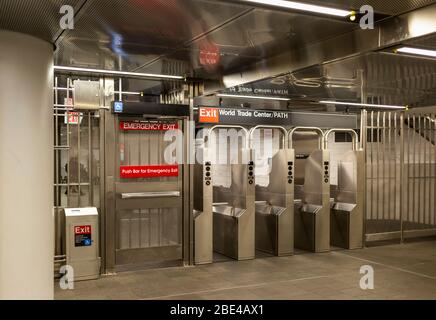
129 93
303 7
420 52
119 73
251 97
369 105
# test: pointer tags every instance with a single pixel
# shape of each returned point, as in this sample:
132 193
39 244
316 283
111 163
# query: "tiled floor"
401 272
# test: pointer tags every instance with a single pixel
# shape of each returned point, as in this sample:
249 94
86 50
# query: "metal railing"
400 175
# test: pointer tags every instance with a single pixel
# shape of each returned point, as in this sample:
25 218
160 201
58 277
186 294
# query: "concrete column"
26 167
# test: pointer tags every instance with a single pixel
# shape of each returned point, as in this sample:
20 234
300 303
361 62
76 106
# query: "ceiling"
199 38
172 36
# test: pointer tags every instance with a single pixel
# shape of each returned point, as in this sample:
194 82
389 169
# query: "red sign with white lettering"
133 172
82 230
147 126
208 115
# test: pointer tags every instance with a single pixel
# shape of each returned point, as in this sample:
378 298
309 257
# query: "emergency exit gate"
400 174
147 199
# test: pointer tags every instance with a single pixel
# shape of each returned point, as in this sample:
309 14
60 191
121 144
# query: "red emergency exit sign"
82 230
134 172
147 126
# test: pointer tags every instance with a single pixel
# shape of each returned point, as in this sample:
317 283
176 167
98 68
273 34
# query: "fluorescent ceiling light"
131 93
120 73
421 52
369 105
303 7
252 97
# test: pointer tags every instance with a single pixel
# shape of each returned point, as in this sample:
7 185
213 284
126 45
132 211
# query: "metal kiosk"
312 195
275 201
346 218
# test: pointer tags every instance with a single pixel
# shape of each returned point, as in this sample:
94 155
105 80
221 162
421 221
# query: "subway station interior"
217 150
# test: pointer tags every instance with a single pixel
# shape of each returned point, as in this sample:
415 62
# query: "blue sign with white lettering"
118 107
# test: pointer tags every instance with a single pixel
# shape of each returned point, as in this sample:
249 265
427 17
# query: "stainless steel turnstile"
312 195
233 206
203 205
346 218
275 200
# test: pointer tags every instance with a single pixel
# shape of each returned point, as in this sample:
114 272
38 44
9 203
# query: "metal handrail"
310 129
354 136
252 130
210 130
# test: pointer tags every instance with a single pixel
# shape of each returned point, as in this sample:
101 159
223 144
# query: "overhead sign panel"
242 116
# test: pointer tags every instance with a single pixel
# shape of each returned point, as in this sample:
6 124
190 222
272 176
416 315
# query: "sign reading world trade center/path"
208 115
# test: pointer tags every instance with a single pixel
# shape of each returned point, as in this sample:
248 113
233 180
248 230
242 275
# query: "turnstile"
346 217
203 216
275 198
312 195
233 204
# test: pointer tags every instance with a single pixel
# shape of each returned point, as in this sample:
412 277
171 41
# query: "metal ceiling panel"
132 33
37 18
428 42
391 79
387 33
255 36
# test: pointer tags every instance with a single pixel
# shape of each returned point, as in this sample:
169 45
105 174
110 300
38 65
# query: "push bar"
353 134
229 127
252 130
310 129
150 195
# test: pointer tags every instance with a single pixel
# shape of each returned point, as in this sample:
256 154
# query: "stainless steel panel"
347 216
275 201
86 95
234 223
149 213
312 227
203 203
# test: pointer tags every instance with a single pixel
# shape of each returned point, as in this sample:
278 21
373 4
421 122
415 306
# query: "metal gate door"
400 174
145 226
